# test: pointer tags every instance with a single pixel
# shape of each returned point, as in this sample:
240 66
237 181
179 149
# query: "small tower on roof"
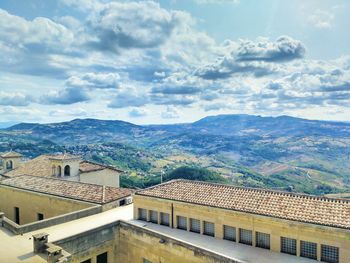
65 165
10 160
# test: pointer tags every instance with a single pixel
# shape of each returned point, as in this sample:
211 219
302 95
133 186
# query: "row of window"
288 245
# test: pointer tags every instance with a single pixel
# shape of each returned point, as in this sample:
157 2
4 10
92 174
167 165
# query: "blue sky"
173 61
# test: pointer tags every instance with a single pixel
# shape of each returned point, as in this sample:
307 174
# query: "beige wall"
275 227
31 203
107 177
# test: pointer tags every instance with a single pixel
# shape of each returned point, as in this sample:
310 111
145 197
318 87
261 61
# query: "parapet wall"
21 229
129 243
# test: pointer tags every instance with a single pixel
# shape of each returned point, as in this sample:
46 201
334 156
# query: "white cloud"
321 19
170 113
94 80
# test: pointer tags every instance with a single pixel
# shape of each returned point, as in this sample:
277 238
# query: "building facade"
304 226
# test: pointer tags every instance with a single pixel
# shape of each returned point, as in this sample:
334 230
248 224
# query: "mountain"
275 152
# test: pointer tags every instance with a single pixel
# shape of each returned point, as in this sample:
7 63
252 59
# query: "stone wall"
31 203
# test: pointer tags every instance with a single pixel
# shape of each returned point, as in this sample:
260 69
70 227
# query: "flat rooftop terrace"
19 248
225 248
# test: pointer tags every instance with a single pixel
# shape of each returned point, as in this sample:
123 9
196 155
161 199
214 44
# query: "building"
27 199
300 225
62 166
180 221
9 161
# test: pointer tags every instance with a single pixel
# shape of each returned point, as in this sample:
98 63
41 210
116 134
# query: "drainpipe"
172 215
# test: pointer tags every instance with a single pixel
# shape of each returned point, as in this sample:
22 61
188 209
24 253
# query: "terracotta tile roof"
296 207
41 166
74 190
88 166
10 154
64 156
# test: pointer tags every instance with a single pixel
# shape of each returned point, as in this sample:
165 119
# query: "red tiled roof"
74 190
285 205
87 166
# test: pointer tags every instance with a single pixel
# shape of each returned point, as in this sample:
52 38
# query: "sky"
173 61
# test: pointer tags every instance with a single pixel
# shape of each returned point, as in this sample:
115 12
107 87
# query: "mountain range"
275 152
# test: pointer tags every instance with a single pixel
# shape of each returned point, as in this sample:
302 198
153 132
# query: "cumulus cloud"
283 49
65 96
132 25
258 58
176 90
128 97
15 99
94 80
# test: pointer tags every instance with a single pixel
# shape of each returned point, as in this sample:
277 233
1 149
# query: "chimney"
39 242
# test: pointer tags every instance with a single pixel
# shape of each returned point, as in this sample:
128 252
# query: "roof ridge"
321 198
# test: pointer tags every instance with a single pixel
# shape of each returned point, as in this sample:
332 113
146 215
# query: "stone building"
182 221
62 166
9 161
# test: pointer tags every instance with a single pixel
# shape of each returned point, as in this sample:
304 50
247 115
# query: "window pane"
308 249
262 240
102 258
329 254
182 222
153 216
195 225
229 233
146 261
245 236
142 214
288 246
164 219
209 229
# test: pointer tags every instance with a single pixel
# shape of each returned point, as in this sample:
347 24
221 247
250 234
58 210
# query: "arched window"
53 170
9 165
67 170
59 170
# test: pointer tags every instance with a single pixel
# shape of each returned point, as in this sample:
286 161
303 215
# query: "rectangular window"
86 261
17 215
329 254
153 216
142 214
245 236
164 219
195 225
288 246
122 202
262 240
308 249
229 233
182 222
40 217
208 228
102 258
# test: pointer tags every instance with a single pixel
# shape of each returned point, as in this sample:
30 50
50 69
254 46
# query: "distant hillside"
276 152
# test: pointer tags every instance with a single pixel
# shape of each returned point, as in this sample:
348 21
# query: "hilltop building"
62 166
177 221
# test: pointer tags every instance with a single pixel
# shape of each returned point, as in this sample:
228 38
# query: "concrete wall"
275 227
107 177
21 229
127 243
31 203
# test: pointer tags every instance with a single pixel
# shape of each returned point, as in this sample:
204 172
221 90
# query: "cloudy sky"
173 61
